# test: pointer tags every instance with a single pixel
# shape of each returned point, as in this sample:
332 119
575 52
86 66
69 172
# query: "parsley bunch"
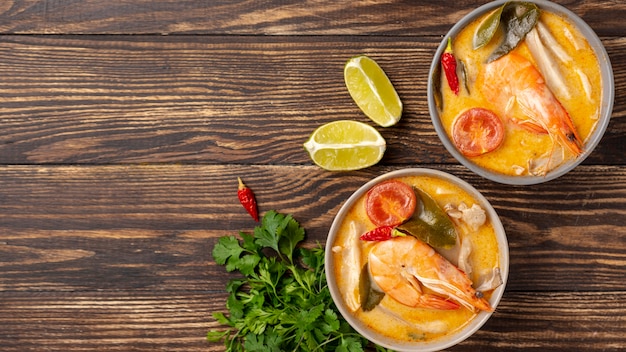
282 303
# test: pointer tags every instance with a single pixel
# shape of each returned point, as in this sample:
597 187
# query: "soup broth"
525 152
391 318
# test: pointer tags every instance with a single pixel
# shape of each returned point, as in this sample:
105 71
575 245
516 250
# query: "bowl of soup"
416 260
520 92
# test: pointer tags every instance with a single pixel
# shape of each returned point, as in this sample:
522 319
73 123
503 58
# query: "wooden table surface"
124 125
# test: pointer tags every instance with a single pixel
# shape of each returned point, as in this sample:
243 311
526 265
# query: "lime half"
345 145
372 91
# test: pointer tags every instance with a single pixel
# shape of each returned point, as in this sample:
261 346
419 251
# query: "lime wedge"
372 91
345 145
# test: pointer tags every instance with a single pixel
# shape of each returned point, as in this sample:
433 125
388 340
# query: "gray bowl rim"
606 108
439 344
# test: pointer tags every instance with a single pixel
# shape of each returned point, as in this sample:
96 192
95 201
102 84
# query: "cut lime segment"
372 91
345 145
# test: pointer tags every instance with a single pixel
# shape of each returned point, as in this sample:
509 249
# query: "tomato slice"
390 203
477 131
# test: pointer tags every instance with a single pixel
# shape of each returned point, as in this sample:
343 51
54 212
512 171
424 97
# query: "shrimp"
513 79
403 266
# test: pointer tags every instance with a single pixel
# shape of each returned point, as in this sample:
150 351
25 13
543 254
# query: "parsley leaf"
287 244
282 303
263 343
269 233
227 251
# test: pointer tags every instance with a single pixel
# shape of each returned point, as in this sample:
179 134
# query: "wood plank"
108 99
118 320
309 17
562 321
146 227
108 320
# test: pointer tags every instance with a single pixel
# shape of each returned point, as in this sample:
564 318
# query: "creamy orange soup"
522 151
390 318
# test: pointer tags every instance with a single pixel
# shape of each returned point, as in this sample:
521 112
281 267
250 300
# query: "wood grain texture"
118 257
266 17
125 123
113 322
127 320
143 100
153 227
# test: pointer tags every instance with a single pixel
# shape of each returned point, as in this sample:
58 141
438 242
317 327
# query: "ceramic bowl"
608 91
452 338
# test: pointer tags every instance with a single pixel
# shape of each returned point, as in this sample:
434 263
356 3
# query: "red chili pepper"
247 199
382 233
448 61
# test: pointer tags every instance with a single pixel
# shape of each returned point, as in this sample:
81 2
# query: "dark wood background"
125 123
